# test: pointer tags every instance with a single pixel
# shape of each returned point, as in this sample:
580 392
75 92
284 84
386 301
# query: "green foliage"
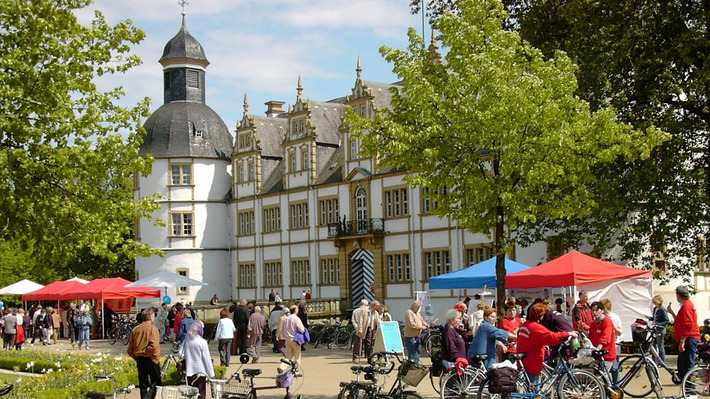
67 150
498 125
649 60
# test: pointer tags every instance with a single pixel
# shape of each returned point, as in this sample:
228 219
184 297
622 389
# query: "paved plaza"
323 369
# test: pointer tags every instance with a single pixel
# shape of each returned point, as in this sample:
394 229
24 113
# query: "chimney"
273 108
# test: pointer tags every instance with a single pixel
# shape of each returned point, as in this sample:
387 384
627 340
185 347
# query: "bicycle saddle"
598 354
251 372
514 357
479 358
356 368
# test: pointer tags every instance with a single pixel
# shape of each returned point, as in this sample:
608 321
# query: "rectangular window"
478 254
247 275
245 221
181 223
436 263
396 203
292 161
300 272
398 268
354 148
330 271
306 158
299 215
328 211
273 276
184 273
166 79
272 220
252 171
180 175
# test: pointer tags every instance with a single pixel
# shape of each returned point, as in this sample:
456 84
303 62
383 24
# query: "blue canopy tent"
480 275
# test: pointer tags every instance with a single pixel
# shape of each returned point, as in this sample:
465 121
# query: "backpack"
502 379
437 364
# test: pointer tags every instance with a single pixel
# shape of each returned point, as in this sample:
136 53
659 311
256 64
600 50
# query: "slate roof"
326 117
170 132
270 131
184 45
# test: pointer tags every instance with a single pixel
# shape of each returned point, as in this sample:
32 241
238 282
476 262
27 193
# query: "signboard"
388 338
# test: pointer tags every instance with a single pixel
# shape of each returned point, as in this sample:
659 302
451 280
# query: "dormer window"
362 110
198 132
302 130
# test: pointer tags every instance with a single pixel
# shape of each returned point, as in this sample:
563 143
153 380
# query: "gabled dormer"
246 159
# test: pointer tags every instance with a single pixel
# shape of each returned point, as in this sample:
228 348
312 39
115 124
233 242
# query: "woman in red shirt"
601 333
532 339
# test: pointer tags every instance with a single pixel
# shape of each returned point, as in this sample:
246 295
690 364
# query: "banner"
122 305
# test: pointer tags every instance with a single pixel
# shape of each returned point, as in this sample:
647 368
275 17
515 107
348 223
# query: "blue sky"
260 47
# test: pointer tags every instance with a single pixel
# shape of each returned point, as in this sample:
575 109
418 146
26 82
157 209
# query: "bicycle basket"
173 392
234 387
410 374
638 332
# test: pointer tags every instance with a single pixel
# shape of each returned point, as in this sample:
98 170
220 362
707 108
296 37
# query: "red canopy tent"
51 292
571 269
628 289
109 288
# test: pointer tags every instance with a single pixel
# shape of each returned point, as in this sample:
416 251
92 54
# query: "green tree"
68 151
496 124
649 61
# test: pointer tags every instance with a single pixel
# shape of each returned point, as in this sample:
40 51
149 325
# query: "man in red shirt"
510 323
685 330
602 334
582 313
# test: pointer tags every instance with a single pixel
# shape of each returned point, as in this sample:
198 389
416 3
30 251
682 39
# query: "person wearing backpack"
532 339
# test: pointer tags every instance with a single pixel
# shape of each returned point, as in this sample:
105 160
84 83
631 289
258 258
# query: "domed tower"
191 146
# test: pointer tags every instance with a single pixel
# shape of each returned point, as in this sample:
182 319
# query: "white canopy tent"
21 287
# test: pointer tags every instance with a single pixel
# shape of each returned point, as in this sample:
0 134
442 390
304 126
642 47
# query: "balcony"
356 228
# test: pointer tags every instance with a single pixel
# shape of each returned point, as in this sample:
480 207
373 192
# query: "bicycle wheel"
112 336
636 377
266 337
125 336
435 380
581 385
465 385
343 339
695 382
432 343
485 393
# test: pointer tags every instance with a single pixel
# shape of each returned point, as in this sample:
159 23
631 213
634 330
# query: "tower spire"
299 89
358 70
246 105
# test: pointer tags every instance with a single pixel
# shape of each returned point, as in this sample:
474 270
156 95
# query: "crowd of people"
538 329
47 324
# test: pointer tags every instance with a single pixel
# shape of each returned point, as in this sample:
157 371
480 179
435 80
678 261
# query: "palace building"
285 201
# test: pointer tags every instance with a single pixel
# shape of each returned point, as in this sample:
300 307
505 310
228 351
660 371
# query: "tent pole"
103 314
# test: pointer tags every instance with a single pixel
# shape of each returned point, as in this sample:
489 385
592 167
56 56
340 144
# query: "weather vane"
182 4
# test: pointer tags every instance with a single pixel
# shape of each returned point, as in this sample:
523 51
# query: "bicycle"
407 374
171 357
455 385
696 382
101 395
563 381
613 391
647 347
121 331
368 389
344 336
638 373
431 339
242 386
